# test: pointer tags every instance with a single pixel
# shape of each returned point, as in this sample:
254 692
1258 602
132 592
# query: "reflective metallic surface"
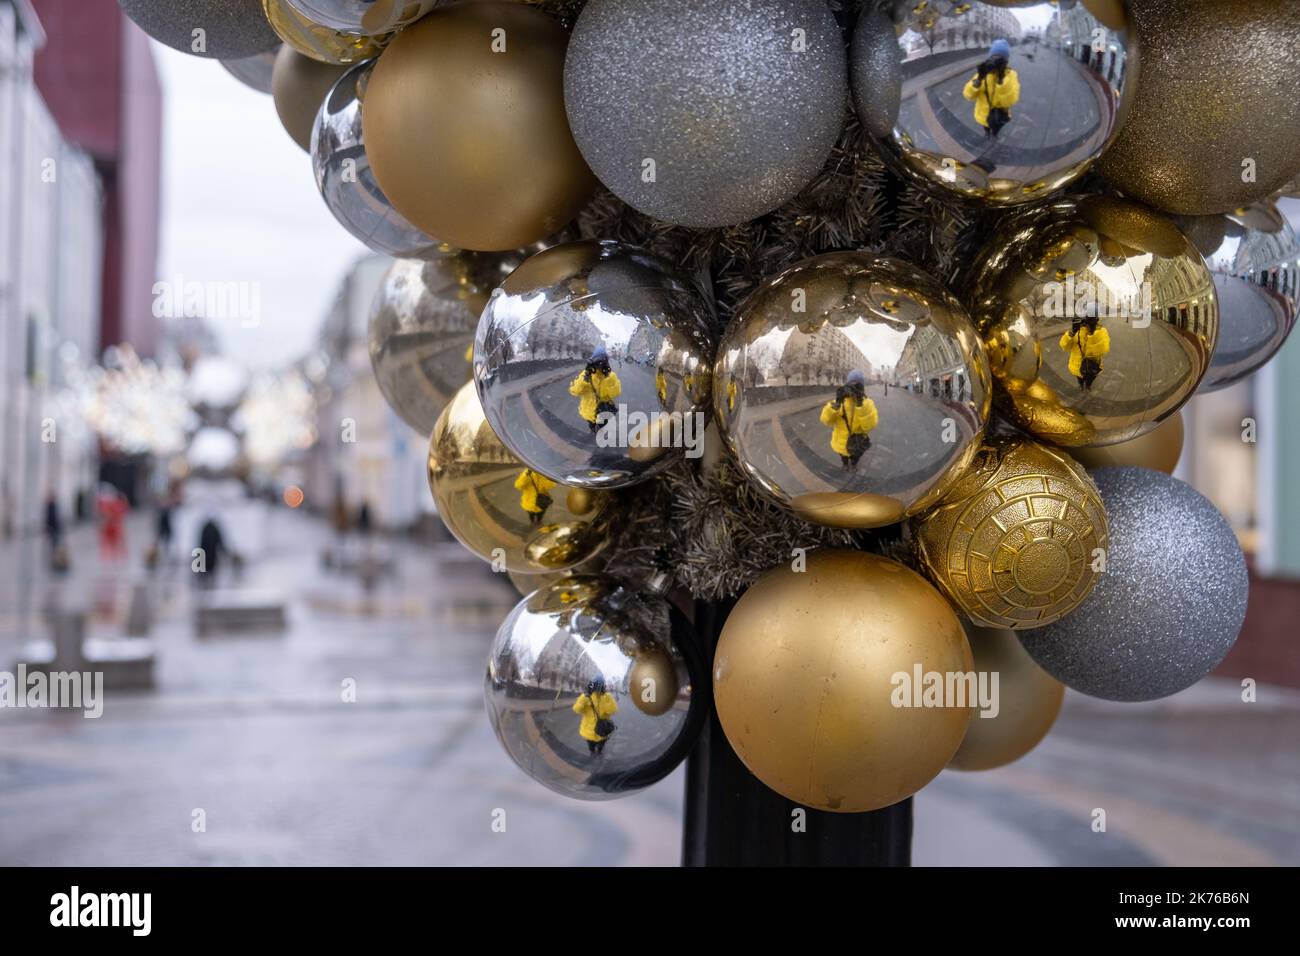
345 180
1099 317
1256 269
253 71
582 641
321 43
592 362
784 395
502 510
929 83
367 17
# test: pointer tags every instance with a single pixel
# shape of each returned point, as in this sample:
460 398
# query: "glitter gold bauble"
1213 123
319 42
1028 700
1099 317
807 677
502 510
1159 449
299 86
1015 542
852 389
465 127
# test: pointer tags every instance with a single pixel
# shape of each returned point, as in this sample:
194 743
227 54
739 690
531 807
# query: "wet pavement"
357 737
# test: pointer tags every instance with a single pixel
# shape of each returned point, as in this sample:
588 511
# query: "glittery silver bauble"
852 389
343 175
593 364
253 71
222 29
1169 605
705 112
1001 102
364 17
1254 257
590 688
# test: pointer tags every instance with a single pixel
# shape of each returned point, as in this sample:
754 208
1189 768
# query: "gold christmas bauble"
809 678
1213 124
465 127
1159 449
299 86
652 681
500 509
1027 700
1099 318
1014 544
320 42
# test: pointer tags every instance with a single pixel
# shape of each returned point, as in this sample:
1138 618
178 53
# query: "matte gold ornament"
502 510
1099 318
466 131
1213 124
1158 449
812 681
1017 540
852 389
299 86
365 17
1028 702
319 42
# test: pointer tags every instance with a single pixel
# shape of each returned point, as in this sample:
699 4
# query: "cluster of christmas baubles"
1019 426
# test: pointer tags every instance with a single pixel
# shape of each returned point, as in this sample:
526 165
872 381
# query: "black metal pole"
732 819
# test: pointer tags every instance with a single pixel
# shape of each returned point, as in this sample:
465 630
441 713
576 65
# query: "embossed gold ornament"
320 42
1099 317
806 681
1016 541
852 389
502 510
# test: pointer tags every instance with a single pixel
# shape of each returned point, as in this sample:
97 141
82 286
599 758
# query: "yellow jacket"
850 416
1085 344
605 707
992 93
600 388
532 485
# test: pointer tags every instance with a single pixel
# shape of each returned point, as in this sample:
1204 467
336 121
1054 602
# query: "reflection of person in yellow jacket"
661 387
595 707
1087 342
994 88
851 417
731 395
533 497
596 388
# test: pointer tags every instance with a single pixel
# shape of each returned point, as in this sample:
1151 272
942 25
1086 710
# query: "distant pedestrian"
112 507
212 545
54 533
363 519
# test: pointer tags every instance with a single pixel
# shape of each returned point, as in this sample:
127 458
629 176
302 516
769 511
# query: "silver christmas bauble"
593 364
253 71
1169 605
852 389
705 112
1254 258
346 182
591 689
363 17
221 29
1000 102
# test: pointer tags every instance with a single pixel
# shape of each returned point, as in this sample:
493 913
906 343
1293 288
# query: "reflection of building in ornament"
824 358
933 365
1078 33
967 27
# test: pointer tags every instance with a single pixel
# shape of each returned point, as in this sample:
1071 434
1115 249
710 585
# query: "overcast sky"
240 204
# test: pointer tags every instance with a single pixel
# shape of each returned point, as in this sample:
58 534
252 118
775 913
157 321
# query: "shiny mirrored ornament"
1014 544
366 17
852 389
1003 103
591 689
502 510
1159 448
253 71
1169 606
592 362
705 114
318 42
222 29
343 175
1256 268
1099 317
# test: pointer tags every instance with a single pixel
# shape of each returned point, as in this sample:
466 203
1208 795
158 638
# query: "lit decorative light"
276 418
134 406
